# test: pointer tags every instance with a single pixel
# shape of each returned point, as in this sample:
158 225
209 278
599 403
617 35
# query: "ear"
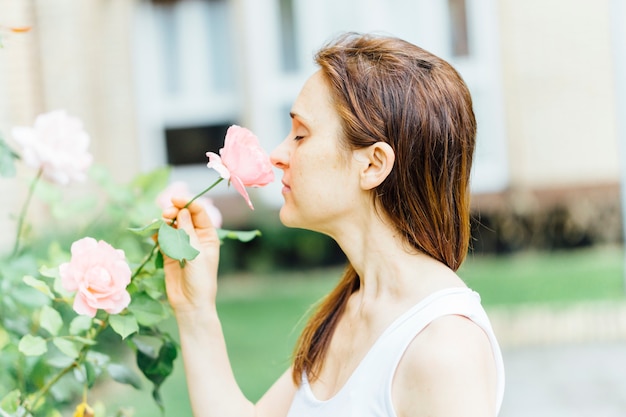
376 163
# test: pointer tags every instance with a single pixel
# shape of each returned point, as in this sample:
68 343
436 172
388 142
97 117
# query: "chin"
290 219
284 217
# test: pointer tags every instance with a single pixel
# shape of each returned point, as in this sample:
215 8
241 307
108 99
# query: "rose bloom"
242 161
99 274
181 189
56 144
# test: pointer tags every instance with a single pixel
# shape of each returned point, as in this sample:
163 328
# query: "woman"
378 158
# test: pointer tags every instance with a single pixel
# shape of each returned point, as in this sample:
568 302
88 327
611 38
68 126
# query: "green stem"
81 357
145 261
43 391
206 190
20 222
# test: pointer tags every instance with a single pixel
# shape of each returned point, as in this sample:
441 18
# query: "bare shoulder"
448 370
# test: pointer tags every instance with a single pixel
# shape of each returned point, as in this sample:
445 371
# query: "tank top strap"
385 356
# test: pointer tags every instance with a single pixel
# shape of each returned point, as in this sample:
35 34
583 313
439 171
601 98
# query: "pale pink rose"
99 274
57 144
242 161
181 189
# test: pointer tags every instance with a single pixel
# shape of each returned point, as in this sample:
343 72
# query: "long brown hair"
389 90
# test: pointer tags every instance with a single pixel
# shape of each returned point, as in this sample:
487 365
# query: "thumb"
183 220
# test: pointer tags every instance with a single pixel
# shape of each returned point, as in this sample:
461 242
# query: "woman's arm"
191 290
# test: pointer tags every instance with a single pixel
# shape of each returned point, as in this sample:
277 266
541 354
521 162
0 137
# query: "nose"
280 156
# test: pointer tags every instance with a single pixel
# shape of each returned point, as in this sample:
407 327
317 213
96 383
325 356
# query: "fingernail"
183 215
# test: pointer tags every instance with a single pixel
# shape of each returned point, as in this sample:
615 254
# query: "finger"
184 222
199 216
170 212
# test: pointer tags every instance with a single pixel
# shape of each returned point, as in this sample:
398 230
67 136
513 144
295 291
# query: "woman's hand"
193 286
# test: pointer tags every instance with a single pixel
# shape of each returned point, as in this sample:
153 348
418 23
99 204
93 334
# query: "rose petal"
81 307
215 162
241 189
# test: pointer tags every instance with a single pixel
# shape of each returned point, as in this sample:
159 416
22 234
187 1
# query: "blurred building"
158 82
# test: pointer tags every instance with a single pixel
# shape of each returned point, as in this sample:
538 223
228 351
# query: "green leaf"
91 374
124 325
86 374
158 260
39 285
50 320
147 230
147 344
175 243
60 361
49 272
11 402
154 286
159 368
7 159
80 324
147 311
58 288
83 340
124 375
32 345
67 347
241 235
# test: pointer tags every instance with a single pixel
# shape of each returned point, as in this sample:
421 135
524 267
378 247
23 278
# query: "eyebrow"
298 117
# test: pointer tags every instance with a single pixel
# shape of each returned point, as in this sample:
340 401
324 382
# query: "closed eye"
298 138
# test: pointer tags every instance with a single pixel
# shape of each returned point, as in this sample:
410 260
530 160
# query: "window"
458 25
188 145
288 37
197 47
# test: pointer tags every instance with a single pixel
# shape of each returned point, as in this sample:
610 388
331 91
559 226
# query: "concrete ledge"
541 325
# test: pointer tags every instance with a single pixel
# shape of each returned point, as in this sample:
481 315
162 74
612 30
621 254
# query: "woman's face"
320 184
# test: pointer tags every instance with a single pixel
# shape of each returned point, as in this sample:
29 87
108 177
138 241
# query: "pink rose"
99 273
56 144
242 161
181 189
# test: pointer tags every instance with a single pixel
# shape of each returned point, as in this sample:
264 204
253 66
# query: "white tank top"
367 393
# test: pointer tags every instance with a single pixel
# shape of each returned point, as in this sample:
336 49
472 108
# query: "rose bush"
58 304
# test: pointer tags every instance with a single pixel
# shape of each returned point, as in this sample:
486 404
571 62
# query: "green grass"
558 277
261 315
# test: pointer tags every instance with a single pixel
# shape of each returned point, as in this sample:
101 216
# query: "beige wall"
558 90
76 57
86 66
